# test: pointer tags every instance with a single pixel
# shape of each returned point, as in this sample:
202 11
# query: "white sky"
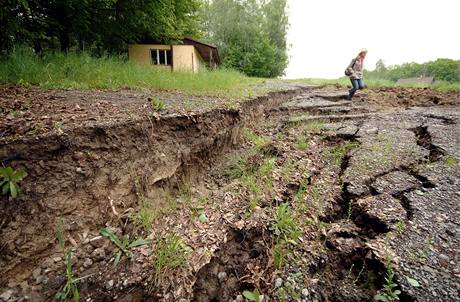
325 35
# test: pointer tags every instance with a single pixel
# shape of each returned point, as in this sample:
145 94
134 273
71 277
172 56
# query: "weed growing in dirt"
400 226
337 153
253 295
261 143
279 252
302 143
123 244
450 161
249 181
389 292
313 127
349 209
185 189
198 210
425 250
70 288
284 225
170 252
145 216
157 104
237 166
10 181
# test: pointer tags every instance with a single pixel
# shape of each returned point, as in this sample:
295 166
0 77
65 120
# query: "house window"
160 56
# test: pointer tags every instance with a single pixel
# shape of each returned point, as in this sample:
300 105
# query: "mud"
369 184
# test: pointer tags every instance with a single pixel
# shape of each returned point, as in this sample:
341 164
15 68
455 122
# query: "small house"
191 55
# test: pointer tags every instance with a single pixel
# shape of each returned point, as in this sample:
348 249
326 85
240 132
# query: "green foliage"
253 295
442 70
450 161
123 244
284 225
261 143
82 71
337 153
250 35
145 216
10 180
279 252
157 104
389 292
170 252
96 24
70 288
249 181
413 282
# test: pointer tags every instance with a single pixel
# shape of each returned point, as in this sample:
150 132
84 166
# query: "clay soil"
366 188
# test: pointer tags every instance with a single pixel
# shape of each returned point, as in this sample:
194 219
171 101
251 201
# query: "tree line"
250 34
441 69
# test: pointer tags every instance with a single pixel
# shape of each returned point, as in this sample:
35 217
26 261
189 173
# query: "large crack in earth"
230 217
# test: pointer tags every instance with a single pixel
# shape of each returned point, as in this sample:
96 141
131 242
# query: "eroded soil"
302 195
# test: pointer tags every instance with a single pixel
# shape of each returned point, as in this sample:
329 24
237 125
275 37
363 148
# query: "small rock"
88 262
36 273
98 254
109 284
239 298
73 226
444 257
278 282
57 259
5 296
305 293
222 276
40 279
97 241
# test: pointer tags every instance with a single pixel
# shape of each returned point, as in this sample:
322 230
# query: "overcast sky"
326 34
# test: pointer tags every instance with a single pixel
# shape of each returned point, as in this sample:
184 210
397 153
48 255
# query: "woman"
355 72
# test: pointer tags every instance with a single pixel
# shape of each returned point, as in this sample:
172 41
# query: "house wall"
184 57
140 53
199 62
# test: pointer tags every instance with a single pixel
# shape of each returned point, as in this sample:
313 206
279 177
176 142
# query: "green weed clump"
83 71
10 179
124 245
337 153
170 252
389 292
70 288
285 226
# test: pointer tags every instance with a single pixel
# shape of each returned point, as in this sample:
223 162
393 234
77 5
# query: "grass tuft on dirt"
82 71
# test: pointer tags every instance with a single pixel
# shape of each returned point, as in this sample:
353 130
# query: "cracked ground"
321 200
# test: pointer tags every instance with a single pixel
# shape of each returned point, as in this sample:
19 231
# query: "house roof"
207 51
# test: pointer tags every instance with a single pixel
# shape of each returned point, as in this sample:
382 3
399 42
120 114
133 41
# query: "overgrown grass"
82 71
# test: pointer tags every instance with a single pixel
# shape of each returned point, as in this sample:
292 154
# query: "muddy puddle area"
297 196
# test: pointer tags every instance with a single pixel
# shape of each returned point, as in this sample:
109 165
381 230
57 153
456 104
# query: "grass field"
375 82
82 71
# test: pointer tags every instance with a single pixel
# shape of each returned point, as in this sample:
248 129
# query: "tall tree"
106 24
250 34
